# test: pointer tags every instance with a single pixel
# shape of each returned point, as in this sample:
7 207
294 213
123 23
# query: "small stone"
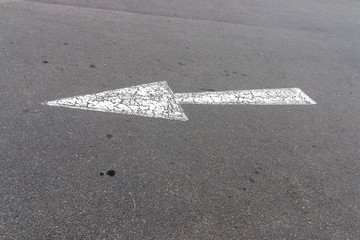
110 173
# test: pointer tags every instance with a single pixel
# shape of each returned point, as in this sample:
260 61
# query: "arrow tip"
147 100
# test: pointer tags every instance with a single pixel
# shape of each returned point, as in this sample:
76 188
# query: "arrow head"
148 100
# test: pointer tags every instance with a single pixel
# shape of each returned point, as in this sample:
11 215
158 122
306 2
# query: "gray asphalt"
230 172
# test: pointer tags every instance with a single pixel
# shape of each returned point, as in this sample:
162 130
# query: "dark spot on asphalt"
25 110
109 136
104 85
127 120
158 60
155 74
244 75
130 76
45 61
227 74
92 65
229 196
207 89
114 43
110 173
65 43
10 42
251 180
234 72
236 227
59 68
244 188
91 146
256 172
109 57
226 71
187 47
350 92
314 146
181 64
101 174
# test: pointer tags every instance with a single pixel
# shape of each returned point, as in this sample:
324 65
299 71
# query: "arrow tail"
282 96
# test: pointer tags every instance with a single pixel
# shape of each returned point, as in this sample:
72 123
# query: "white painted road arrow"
157 100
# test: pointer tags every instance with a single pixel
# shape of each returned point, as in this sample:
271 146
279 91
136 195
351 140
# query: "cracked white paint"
149 100
282 96
157 100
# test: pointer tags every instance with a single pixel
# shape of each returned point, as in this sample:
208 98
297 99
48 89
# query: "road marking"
148 100
157 100
282 96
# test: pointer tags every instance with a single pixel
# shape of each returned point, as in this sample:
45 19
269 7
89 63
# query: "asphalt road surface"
229 172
